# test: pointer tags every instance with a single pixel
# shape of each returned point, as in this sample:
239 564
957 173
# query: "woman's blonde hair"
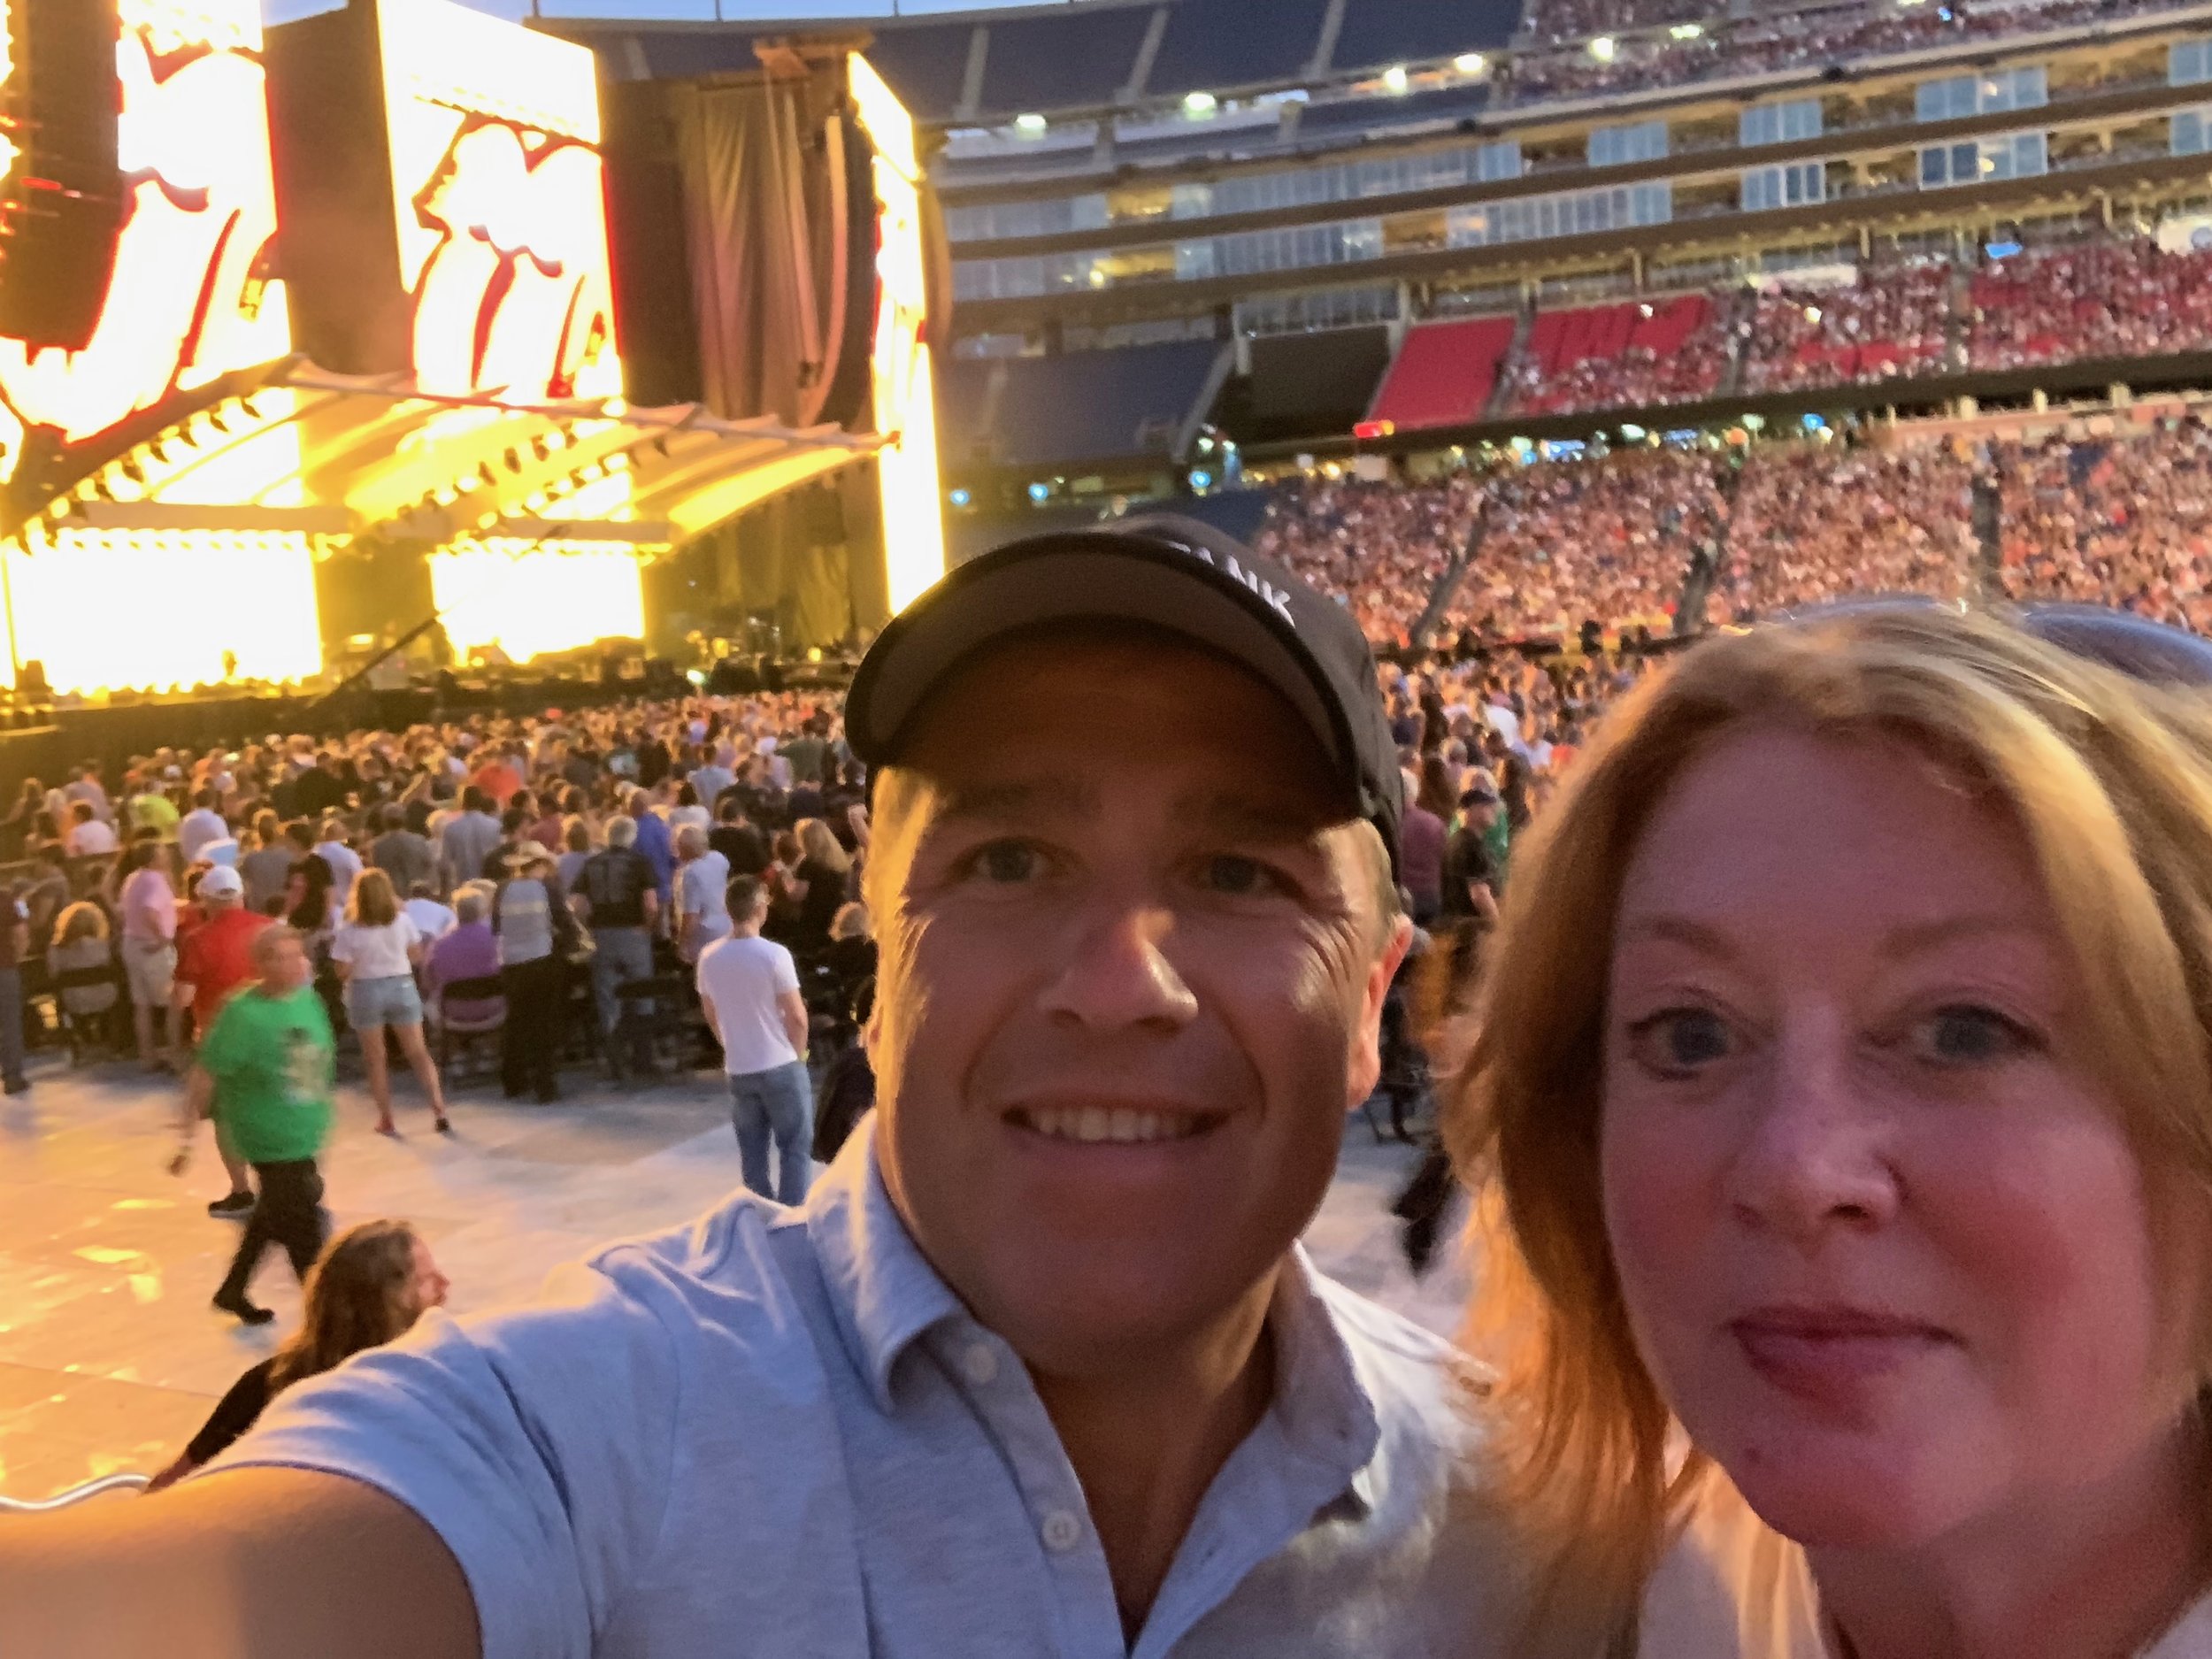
816 842
374 903
84 920
2110 780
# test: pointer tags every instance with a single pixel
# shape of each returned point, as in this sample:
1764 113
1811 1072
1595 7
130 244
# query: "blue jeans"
619 956
778 1102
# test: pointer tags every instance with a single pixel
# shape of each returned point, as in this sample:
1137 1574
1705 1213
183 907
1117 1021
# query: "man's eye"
1678 1041
1007 863
1238 876
1969 1034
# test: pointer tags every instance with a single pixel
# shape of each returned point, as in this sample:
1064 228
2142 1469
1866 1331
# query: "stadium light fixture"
1686 31
1201 479
1395 77
1603 47
1471 63
1029 124
1200 104
960 498
1040 492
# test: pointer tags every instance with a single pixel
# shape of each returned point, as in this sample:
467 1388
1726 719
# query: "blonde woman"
818 885
376 950
1840 1110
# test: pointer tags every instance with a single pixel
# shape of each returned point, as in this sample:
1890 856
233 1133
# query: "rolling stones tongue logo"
190 295
514 298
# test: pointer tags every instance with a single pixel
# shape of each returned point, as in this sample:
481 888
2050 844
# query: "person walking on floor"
213 959
750 988
265 1073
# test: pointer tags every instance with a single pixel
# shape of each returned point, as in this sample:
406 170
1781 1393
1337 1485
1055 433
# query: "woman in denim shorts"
376 949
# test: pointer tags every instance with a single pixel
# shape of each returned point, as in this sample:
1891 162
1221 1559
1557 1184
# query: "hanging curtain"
766 198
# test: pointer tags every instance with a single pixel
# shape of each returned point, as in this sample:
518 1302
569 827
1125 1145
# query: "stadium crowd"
1381 547
2119 297
1636 377
1560 64
1892 320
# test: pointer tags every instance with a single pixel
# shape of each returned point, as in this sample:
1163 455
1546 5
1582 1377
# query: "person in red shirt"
215 957
499 777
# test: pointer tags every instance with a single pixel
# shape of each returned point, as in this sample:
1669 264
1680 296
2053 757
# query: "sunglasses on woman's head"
2119 640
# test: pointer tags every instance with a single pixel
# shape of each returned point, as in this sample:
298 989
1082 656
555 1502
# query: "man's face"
1133 966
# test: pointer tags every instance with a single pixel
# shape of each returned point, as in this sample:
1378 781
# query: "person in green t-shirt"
264 1072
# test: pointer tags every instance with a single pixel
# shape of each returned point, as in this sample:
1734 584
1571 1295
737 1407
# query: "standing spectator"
266 1074
1471 876
535 927
702 883
499 776
376 950
48 895
214 958
738 841
468 839
148 907
199 828
17 826
89 834
15 942
432 920
750 989
819 884
151 808
345 863
84 786
616 895
1421 839
577 851
400 853
652 843
267 868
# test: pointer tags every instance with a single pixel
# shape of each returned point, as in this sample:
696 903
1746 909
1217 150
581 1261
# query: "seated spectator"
89 835
370 1285
82 943
468 950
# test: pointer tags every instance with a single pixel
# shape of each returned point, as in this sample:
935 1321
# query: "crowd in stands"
2126 522
1811 524
2125 297
1760 44
1892 320
1563 541
1379 546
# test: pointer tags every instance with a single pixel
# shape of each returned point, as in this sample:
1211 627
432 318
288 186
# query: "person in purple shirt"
470 950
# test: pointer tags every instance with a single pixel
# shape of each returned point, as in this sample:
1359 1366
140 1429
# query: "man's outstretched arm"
238 1565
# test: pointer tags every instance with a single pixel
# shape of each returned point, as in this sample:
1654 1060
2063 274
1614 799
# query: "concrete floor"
110 1358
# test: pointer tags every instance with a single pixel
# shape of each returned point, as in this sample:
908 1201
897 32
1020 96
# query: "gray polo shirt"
777 1433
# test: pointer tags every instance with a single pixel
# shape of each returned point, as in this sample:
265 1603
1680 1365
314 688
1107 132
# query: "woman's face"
426 1287
1884 1245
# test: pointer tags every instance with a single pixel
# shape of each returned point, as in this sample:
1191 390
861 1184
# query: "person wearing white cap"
214 958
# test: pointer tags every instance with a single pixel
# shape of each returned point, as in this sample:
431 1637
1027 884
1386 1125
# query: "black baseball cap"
1166 571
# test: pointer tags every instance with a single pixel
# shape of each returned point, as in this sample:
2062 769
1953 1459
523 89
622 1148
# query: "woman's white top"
375 953
1732 1588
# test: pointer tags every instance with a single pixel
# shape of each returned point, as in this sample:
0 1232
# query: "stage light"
1040 492
1029 124
1200 104
1394 79
1471 63
1686 31
1634 435
1603 49
1201 480
959 498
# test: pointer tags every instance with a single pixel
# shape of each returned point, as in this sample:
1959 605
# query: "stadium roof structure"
987 66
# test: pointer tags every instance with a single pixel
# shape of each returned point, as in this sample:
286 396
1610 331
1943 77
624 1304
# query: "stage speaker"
61 207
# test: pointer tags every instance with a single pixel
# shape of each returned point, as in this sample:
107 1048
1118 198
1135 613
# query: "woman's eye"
1968 1034
1677 1041
1238 876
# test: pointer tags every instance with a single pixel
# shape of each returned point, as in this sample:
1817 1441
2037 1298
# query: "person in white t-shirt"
1841 1100
376 949
89 835
200 829
750 987
701 881
345 863
432 920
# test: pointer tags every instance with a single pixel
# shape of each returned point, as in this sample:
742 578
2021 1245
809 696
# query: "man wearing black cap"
1039 1367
